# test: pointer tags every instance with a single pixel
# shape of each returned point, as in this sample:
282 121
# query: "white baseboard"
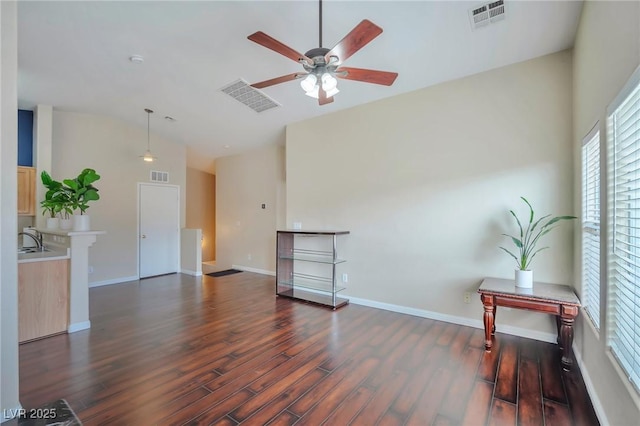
256 270
469 322
11 413
79 326
597 405
113 281
190 272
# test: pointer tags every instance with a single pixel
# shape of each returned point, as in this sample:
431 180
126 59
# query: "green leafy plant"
66 205
53 199
530 236
80 191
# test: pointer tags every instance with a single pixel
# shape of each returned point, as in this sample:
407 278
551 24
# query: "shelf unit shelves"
296 275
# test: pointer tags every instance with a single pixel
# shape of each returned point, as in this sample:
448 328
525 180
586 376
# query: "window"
624 220
591 225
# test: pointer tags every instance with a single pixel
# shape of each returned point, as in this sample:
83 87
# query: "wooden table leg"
493 328
567 319
489 309
558 324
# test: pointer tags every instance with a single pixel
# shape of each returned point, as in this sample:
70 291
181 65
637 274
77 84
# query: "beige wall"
424 182
606 53
112 147
8 208
245 233
201 209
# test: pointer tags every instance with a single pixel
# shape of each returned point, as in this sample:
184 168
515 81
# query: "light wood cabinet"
26 191
43 299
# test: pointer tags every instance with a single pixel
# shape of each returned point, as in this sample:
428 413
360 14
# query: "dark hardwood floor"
174 350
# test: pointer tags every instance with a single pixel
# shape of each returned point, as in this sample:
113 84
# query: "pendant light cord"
149 112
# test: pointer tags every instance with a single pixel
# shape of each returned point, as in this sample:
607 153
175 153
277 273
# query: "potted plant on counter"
527 242
52 200
81 191
66 210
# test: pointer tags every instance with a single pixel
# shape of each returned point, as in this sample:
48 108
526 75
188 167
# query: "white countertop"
43 256
70 233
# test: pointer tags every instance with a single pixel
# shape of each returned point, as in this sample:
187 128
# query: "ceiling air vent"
487 13
241 91
162 177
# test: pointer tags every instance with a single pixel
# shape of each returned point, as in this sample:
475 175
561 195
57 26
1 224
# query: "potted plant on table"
80 191
527 242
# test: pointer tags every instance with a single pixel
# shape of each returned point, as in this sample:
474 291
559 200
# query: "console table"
559 300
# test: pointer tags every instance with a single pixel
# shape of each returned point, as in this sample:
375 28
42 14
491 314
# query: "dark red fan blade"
359 37
278 80
273 44
368 76
322 97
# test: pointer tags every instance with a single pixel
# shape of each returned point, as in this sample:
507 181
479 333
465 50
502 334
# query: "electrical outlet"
345 278
297 225
467 297
249 256
91 269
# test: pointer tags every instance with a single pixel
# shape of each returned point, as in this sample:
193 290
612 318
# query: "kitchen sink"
25 250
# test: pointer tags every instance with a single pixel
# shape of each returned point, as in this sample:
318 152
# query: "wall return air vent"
160 177
486 14
241 91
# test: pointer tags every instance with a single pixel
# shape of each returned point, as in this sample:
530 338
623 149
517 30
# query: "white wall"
424 182
243 183
8 208
607 51
112 147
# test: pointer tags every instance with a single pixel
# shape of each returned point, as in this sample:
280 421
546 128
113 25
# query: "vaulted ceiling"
75 56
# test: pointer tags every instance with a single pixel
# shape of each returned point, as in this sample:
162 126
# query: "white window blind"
624 217
591 226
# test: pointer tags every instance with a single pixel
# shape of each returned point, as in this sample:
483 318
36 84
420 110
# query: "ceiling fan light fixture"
313 92
329 82
309 83
332 92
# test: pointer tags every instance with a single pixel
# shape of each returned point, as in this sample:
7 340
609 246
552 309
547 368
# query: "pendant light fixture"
148 157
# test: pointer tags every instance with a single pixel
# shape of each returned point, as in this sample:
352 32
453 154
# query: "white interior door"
159 226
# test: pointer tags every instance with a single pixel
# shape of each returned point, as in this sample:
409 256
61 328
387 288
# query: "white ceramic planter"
81 222
66 224
524 279
53 222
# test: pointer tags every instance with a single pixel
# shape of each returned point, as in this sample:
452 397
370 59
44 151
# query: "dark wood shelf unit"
294 282
307 296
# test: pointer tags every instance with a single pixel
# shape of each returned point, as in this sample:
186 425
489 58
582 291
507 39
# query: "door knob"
144 236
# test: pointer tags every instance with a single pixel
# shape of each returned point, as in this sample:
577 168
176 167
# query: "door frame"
140 185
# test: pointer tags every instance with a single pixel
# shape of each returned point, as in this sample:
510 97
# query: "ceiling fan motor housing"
317 55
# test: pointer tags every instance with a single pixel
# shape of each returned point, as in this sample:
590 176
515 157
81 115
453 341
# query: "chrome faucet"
37 239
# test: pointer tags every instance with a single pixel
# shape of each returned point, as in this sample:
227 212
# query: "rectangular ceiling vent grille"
241 91
482 16
161 177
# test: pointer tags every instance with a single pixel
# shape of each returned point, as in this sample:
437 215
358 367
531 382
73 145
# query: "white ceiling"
75 56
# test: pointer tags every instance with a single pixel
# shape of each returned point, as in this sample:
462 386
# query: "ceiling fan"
323 65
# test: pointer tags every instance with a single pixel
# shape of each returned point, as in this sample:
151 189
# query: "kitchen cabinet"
43 298
26 191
